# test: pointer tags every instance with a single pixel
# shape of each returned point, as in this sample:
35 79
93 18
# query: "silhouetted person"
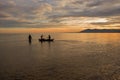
49 37
41 36
30 38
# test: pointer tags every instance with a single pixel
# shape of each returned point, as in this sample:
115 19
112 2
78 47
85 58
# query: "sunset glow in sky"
58 15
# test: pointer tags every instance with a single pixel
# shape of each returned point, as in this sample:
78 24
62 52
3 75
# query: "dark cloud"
9 23
78 2
3 15
108 23
94 3
96 13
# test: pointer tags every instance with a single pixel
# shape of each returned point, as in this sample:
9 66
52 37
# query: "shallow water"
72 56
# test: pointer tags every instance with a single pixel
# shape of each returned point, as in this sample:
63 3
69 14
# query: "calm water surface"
72 56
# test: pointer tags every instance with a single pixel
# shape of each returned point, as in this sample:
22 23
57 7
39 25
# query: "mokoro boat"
46 40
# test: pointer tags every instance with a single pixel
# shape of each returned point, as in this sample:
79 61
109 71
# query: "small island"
101 31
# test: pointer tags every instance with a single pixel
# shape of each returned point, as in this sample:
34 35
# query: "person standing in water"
30 38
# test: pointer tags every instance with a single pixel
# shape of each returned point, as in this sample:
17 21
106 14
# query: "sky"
58 15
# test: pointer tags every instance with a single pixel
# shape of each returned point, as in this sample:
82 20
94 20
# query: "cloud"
4 15
42 13
42 10
91 8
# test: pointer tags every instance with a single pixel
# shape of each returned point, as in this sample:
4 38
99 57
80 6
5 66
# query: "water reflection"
70 57
48 43
101 38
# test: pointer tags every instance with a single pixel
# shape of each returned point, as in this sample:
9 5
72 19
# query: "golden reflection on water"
91 37
72 56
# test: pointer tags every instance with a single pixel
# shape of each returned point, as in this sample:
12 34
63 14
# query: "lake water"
72 56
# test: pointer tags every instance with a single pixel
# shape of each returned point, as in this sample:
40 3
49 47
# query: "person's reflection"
41 42
30 39
49 44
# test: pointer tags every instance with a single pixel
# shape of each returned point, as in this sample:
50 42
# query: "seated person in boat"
49 37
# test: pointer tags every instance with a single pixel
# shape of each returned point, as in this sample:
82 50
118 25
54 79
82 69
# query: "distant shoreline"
100 31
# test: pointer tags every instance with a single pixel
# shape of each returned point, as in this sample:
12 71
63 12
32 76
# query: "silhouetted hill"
101 31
